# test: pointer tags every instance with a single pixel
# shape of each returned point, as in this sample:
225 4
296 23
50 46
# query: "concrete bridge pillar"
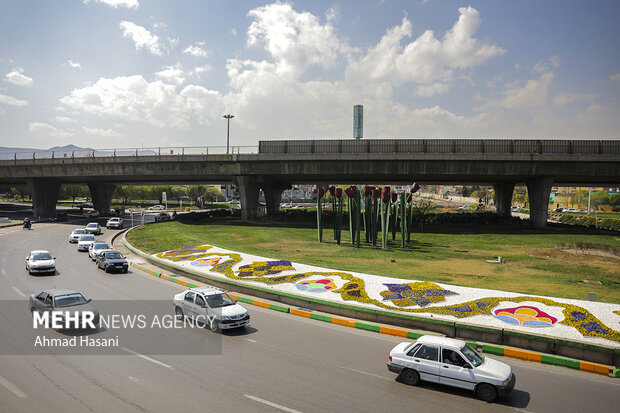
538 191
503 197
44 196
273 195
248 191
102 196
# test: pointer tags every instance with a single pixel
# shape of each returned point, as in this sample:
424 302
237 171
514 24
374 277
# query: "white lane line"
147 358
366 373
4 273
250 340
272 404
12 388
19 292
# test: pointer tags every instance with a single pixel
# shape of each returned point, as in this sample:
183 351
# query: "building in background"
358 121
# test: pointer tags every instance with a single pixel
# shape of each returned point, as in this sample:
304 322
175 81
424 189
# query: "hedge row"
607 223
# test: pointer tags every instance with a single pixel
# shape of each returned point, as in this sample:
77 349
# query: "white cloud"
568 98
233 31
427 59
102 133
44 129
531 96
64 119
9 100
142 38
432 90
129 4
75 65
615 77
17 77
133 98
196 50
172 74
545 66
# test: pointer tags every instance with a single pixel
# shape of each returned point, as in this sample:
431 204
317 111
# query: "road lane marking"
4 272
250 340
12 388
147 358
272 404
366 373
19 292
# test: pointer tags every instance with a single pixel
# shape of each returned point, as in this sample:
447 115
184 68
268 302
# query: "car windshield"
78 231
114 255
100 246
91 226
39 256
472 355
87 238
219 300
69 300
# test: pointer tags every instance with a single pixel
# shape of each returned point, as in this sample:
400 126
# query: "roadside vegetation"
549 263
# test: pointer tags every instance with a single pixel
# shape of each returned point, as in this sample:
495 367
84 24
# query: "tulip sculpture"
414 188
403 219
385 215
368 212
354 203
337 208
320 192
374 214
394 211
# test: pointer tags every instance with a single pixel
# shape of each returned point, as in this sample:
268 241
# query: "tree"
599 198
614 200
196 191
579 197
212 192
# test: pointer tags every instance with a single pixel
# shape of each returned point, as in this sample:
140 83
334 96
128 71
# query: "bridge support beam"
503 197
248 192
538 191
44 197
102 196
273 196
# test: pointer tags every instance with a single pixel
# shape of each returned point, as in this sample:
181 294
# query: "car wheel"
125 270
106 269
410 377
486 392
214 326
179 313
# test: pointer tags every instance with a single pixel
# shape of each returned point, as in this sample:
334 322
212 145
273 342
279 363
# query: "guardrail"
120 152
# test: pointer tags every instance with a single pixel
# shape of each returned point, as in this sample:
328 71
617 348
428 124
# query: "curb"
503 351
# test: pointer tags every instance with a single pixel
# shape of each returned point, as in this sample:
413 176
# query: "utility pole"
228 118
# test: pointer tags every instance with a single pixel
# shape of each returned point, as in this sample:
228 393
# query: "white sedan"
453 363
97 248
39 261
85 241
212 307
76 234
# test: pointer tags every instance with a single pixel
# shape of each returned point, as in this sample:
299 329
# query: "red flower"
414 188
386 189
338 192
408 197
367 190
351 191
332 190
394 196
320 192
376 192
385 197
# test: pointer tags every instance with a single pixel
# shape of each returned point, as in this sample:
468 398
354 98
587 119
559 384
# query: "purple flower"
397 288
593 326
461 309
578 316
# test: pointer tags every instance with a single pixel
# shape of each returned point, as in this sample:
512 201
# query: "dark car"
66 302
162 216
112 261
59 217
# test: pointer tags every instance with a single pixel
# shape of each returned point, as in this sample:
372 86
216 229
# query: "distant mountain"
63 152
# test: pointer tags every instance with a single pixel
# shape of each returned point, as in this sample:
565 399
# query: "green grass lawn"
533 264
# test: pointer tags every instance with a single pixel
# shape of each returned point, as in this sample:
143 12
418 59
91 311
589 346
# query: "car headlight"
224 318
506 382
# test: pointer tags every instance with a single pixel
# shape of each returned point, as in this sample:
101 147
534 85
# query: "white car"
114 223
451 362
85 241
90 214
157 208
39 261
76 234
515 208
97 248
93 228
211 307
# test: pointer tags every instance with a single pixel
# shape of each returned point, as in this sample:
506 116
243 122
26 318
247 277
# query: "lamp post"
228 118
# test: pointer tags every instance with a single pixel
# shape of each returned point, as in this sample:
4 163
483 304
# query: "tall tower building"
358 121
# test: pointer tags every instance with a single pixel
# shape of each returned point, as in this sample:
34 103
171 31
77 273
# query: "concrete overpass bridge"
277 165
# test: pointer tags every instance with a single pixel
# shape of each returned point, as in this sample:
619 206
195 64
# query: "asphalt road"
281 363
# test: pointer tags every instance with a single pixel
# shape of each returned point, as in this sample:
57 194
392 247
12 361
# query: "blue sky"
131 73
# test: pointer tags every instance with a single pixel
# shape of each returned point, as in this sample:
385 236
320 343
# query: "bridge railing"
125 152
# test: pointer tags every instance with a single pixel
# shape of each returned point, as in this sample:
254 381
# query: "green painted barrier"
414 335
547 359
245 300
321 317
489 348
473 344
616 372
368 327
192 285
566 362
280 308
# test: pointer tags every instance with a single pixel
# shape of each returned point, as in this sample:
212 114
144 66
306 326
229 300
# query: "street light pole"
228 118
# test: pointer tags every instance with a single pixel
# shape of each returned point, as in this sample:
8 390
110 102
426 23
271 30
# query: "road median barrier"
488 340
